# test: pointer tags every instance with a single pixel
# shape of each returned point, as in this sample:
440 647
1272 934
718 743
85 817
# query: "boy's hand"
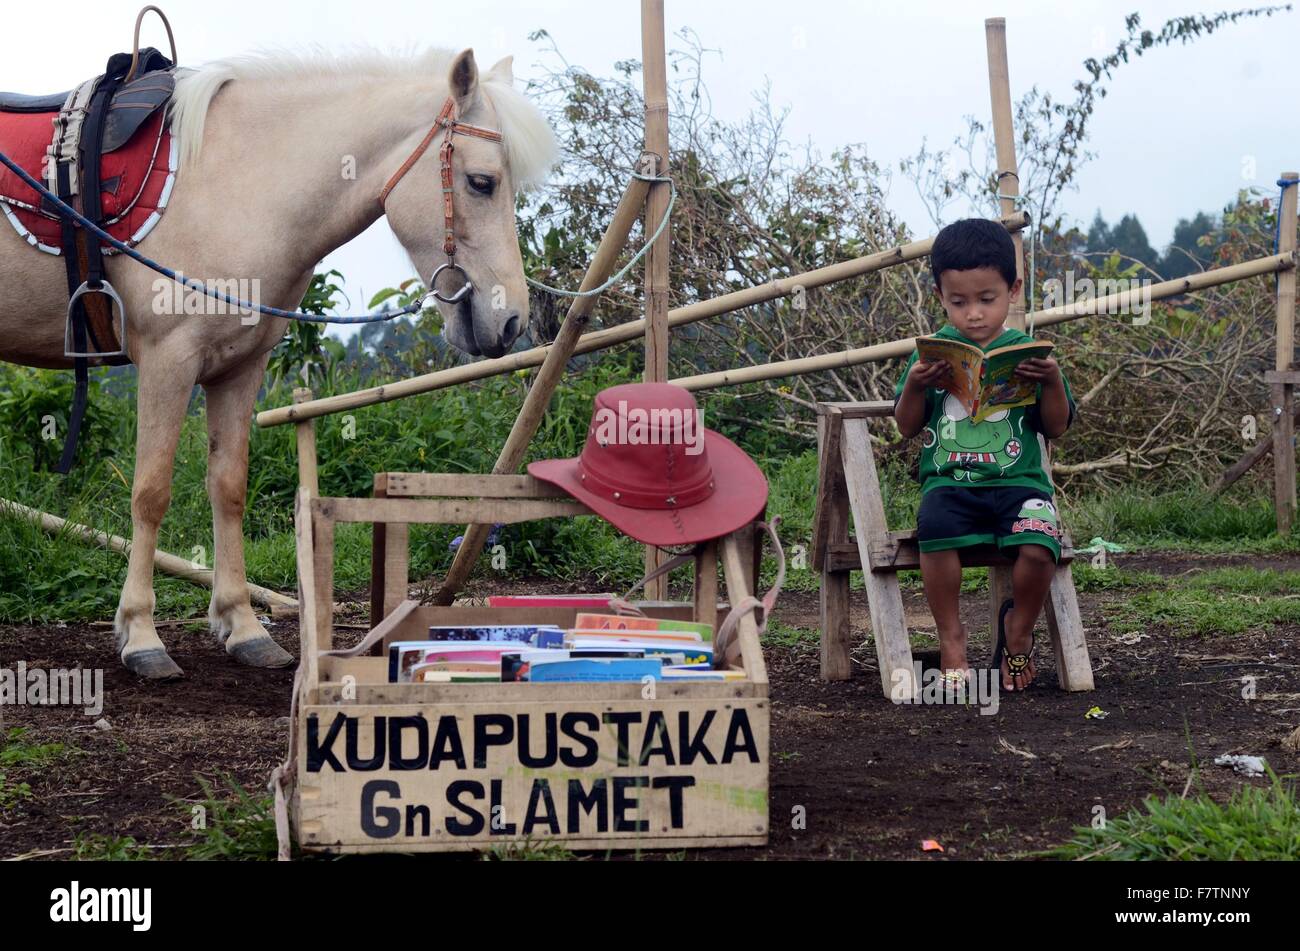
1044 370
928 373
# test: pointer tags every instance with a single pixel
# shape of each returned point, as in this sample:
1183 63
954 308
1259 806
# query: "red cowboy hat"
652 470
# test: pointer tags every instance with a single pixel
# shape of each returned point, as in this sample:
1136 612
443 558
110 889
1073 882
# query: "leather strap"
447 121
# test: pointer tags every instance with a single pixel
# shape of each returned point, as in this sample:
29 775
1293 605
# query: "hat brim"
739 495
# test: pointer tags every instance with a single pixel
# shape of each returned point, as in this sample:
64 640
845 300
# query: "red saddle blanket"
136 180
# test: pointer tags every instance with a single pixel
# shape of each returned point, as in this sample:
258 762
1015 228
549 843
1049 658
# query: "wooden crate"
441 767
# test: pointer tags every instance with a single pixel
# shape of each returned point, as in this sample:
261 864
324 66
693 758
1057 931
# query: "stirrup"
105 288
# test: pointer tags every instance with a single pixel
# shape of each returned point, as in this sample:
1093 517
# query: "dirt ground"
873 779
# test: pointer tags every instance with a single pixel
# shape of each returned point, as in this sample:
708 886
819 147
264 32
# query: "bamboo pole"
1044 318
164 562
1283 391
548 377
1004 137
613 336
654 72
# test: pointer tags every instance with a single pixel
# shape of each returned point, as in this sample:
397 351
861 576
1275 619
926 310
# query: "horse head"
482 294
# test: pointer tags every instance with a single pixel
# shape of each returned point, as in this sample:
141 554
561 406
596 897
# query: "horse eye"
483 184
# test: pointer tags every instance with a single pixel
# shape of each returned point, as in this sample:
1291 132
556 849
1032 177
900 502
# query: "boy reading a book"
983 482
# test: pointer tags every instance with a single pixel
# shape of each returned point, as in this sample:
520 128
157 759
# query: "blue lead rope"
69 212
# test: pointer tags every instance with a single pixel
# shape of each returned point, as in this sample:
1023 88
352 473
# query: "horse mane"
527 136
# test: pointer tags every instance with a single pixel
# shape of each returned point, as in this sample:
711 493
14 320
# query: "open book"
985 383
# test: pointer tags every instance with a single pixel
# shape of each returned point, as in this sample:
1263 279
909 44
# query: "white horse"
284 158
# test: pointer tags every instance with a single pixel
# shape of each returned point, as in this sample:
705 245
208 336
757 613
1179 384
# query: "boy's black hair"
971 243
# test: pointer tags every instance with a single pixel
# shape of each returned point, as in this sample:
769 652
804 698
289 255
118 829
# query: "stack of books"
598 648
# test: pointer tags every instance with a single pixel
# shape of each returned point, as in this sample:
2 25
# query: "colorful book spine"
623 622
589 670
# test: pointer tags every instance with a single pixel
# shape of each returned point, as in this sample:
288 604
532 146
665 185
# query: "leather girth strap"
92 315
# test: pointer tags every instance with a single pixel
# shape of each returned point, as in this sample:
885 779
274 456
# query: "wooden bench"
848 484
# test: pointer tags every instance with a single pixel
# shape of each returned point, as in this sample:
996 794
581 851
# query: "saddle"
110 158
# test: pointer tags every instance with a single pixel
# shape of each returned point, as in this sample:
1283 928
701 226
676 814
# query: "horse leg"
162 397
230 615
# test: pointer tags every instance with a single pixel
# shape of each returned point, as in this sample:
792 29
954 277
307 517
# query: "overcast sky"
1179 132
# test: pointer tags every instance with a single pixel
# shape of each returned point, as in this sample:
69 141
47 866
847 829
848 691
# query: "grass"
528 851
1256 824
21 754
1219 601
786 635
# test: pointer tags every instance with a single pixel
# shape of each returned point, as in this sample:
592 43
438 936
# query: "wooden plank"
745 642
901 552
519 755
469 485
871 409
1069 640
658 844
830 485
322 528
1284 491
378 555
1282 376
447 511
884 599
397 578
309 640
830 530
305 432
837 639
370 687
706 584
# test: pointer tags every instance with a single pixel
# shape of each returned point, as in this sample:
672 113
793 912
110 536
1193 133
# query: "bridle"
446 120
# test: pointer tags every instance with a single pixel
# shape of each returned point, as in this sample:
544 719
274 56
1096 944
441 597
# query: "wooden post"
888 627
706 584
654 72
831 526
306 431
548 377
389 561
1008 181
1283 386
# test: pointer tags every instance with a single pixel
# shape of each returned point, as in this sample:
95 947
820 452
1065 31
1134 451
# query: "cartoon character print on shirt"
1037 515
973 452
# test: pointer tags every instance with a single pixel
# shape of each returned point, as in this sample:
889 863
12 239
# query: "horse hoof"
260 652
152 665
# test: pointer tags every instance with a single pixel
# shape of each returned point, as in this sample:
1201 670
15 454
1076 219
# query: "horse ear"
503 70
463 79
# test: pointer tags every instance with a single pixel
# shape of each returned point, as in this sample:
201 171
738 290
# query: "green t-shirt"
1000 451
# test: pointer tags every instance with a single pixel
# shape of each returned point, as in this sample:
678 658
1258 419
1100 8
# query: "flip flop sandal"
1017 664
956 684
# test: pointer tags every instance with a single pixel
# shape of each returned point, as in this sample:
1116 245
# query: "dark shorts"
955 516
